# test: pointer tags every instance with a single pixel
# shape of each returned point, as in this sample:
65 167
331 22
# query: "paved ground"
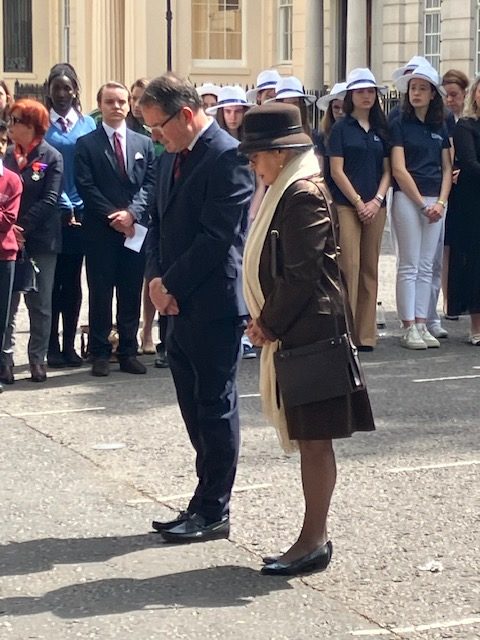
77 559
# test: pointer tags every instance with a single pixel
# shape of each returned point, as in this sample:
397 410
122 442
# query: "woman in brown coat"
293 291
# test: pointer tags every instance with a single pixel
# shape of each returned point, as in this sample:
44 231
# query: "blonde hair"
472 108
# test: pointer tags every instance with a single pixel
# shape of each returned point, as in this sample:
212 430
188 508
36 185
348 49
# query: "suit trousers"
359 254
7 271
66 299
39 305
203 358
111 265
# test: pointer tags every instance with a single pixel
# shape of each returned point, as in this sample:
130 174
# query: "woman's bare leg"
319 474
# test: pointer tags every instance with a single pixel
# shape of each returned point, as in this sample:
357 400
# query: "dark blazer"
298 269
101 186
198 225
39 213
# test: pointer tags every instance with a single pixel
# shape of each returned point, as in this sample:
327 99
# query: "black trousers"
203 358
66 299
7 271
111 266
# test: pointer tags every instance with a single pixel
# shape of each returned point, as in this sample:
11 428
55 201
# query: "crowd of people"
160 188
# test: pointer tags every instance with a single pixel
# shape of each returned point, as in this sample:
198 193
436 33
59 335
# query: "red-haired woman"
40 167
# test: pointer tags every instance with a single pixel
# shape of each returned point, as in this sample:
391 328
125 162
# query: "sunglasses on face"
15 120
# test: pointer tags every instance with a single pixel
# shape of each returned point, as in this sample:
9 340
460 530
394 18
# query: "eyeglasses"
165 122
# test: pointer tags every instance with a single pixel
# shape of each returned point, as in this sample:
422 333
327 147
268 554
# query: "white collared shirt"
1 167
71 119
200 134
121 133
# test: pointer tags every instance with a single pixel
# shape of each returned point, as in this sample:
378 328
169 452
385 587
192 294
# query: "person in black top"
360 167
332 105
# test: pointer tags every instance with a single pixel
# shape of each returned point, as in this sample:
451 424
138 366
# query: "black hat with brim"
271 126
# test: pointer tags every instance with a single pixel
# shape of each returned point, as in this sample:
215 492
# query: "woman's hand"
455 174
434 212
19 237
369 212
255 332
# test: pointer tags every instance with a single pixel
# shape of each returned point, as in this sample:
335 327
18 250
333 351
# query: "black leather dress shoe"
100 367
71 358
158 525
317 560
6 374
38 373
130 364
196 529
161 361
55 360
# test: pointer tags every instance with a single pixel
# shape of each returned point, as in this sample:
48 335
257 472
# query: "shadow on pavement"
225 586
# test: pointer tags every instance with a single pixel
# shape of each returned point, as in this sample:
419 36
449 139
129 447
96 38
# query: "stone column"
356 34
314 54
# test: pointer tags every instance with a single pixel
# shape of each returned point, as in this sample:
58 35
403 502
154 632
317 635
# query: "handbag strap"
332 213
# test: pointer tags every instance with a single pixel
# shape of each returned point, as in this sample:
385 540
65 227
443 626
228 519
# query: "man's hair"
111 84
141 83
171 93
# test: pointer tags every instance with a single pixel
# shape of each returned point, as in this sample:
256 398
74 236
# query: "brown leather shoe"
130 364
6 374
38 372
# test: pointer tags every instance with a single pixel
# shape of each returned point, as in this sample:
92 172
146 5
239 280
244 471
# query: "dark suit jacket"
39 214
198 225
104 190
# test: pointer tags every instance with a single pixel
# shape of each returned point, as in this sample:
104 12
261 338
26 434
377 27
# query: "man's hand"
165 303
20 238
121 221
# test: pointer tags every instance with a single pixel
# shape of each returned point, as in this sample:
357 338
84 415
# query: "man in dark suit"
115 176
194 264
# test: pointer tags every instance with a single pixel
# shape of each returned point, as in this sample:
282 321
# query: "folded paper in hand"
135 243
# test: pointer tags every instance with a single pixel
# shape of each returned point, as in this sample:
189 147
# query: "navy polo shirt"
363 154
423 146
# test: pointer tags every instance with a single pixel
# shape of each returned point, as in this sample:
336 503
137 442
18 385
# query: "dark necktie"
119 154
63 124
178 164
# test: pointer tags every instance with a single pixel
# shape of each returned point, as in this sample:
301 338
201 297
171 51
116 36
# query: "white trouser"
418 241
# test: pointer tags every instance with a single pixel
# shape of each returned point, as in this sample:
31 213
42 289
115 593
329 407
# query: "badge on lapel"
38 169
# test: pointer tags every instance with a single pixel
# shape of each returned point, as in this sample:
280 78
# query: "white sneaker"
426 336
438 331
411 339
475 339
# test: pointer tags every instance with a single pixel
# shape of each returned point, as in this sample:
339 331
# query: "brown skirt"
335 417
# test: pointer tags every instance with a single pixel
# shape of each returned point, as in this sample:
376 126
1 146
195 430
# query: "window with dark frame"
17 36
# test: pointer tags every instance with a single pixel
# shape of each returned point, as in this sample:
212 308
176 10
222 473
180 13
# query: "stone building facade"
230 41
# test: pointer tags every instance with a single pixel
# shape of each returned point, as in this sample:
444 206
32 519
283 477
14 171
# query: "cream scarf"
299 167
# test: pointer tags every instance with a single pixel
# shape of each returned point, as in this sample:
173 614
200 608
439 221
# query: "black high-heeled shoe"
317 560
